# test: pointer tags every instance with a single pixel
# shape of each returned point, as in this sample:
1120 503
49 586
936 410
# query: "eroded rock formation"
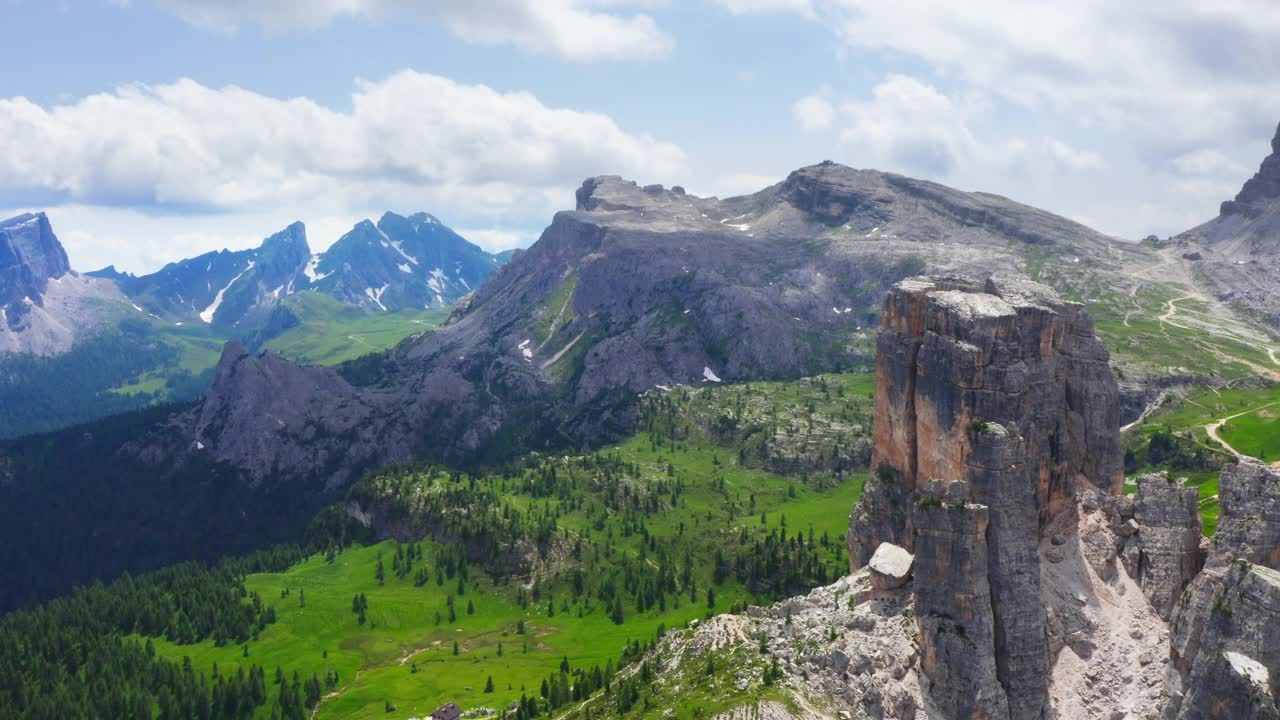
1001 388
1225 632
1162 547
954 355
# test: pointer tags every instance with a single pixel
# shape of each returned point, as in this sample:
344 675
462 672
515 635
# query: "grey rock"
953 603
1233 605
890 567
956 356
1167 541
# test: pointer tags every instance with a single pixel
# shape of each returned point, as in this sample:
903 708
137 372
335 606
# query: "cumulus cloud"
908 126
814 112
187 145
1180 72
576 30
147 174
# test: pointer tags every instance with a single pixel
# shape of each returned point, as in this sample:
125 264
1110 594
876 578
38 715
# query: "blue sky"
152 130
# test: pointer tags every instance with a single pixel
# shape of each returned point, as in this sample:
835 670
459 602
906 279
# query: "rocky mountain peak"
1264 186
30 256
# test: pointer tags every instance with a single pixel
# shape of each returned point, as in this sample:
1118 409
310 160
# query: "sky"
153 130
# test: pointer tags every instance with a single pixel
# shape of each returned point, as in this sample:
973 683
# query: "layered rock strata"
1225 631
1002 388
1161 526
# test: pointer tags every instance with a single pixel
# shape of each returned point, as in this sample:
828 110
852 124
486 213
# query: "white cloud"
223 163
756 7
906 126
576 30
1180 72
185 144
497 239
1175 100
814 112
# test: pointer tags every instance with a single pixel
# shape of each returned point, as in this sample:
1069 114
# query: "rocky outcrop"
275 419
954 356
1249 522
1002 389
30 256
1263 187
1239 250
953 604
1225 632
1161 527
45 308
890 567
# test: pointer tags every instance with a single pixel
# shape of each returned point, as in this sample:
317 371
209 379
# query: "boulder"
890 567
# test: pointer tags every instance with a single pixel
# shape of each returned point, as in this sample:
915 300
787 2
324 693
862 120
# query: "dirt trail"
1213 427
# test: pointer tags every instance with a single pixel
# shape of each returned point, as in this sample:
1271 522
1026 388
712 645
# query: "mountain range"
636 289
400 263
130 341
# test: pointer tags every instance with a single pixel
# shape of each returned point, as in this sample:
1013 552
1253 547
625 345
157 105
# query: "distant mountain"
400 263
77 347
45 308
224 288
415 262
1239 250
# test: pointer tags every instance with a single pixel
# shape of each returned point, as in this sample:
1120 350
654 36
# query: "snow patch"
310 270
840 311
207 314
708 376
135 307
524 350
437 280
663 388
405 268
388 242
376 295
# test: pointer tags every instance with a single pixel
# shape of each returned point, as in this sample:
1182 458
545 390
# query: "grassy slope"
374 661
1255 434
332 332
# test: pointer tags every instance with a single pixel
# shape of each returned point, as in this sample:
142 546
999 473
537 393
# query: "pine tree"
488 686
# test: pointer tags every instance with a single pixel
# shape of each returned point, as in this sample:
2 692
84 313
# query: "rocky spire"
1000 389
1262 187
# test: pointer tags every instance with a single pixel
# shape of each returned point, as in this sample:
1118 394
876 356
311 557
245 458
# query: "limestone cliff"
954 356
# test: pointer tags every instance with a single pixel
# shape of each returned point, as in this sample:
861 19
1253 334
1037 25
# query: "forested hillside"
531 583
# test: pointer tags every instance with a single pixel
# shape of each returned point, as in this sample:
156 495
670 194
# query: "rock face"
953 603
1225 633
955 355
275 419
1163 554
45 308
30 256
1001 389
1240 249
